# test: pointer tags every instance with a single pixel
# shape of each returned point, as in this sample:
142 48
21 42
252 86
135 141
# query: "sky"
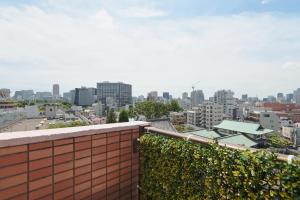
248 46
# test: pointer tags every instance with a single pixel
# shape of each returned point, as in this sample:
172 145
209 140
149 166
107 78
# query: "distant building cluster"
279 113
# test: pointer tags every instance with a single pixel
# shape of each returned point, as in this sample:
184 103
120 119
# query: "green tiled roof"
243 127
206 134
239 140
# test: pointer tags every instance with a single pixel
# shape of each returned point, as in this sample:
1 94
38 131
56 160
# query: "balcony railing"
104 162
91 162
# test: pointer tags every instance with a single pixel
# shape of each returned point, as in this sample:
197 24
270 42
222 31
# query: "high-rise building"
226 99
55 91
24 95
280 97
244 97
166 95
271 98
185 95
205 115
152 96
93 92
4 93
197 97
43 95
120 92
297 96
67 96
289 98
83 97
72 94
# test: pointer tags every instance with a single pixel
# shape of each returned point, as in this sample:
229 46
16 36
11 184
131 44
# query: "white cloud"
242 52
265 1
291 65
142 12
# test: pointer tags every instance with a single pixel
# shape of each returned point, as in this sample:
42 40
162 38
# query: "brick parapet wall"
89 166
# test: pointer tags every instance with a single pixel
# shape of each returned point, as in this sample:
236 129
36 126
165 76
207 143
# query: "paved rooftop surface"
24 125
34 136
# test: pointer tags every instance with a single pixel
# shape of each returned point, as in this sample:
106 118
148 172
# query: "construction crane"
193 86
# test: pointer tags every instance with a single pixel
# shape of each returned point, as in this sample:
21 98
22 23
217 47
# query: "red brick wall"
99 166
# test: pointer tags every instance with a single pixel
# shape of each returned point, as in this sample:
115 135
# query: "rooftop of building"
205 133
243 127
238 139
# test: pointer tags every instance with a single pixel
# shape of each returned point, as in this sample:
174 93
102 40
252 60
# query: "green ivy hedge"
177 169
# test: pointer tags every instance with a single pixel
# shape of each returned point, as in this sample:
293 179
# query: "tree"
174 106
111 117
123 117
66 105
151 109
277 141
131 112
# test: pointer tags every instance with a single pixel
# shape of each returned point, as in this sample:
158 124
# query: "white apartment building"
225 98
269 120
177 118
194 116
213 114
205 115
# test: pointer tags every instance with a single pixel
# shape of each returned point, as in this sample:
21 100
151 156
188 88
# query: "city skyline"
251 48
160 93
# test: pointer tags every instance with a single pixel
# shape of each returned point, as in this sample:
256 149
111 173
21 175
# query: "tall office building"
43 95
289 98
244 97
55 91
197 97
297 96
185 95
166 95
120 92
271 98
152 96
24 95
226 99
93 92
83 97
280 97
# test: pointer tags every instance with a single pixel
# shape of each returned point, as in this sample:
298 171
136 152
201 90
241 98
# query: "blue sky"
176 8
249 46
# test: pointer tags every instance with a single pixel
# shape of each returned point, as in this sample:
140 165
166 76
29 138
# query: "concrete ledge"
28 137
